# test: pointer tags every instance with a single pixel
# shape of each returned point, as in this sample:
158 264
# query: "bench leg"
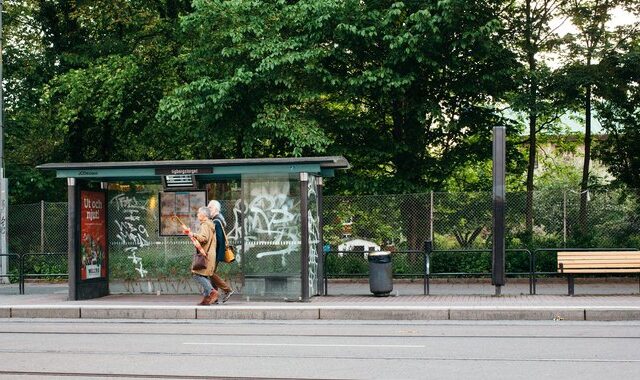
570 283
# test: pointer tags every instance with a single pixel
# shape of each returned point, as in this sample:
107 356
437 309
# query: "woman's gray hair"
214 206
205 211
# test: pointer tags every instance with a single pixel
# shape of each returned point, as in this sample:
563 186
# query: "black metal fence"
428 264
27 267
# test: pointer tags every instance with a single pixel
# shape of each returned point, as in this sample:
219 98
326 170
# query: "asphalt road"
318 349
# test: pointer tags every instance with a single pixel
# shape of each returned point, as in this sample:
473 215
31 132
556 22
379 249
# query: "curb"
418 313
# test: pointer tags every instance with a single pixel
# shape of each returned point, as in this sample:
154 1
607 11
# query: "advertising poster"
182 205
93 235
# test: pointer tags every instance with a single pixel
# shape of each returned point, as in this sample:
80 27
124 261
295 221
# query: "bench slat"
602 269
608 270
601 253
635 262
598 257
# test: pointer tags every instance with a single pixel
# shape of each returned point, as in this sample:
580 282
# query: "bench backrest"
598 261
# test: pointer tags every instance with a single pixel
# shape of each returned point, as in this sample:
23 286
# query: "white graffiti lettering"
130 231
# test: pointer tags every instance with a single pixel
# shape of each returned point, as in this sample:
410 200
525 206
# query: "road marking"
304 345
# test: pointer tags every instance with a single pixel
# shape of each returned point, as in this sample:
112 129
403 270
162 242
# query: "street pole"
4 183
499 157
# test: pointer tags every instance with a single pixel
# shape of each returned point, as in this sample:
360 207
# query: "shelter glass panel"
272 241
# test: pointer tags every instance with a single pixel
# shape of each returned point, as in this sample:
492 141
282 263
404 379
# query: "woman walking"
219 225
206 236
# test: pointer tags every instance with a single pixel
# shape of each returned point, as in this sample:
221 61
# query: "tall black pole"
499 157
304 235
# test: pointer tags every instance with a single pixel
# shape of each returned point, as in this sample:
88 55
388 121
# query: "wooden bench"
576 262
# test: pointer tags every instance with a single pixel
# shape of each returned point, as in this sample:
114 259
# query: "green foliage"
374 81
619 113
83 83
346 265
45 266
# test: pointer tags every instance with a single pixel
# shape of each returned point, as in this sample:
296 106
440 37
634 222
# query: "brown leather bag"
199 262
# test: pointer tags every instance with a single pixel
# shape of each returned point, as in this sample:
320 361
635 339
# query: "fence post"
428 248
564 217
431 218
21 274
41 226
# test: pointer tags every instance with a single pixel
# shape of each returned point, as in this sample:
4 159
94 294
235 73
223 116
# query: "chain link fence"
37 243
458 224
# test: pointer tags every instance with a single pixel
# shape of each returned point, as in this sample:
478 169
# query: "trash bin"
380 277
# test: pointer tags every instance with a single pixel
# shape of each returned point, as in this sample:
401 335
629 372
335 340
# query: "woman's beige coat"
206 235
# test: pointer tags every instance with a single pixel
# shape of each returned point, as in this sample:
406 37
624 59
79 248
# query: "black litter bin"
380 276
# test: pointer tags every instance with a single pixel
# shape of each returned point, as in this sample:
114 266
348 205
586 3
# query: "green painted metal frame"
217 169
218 172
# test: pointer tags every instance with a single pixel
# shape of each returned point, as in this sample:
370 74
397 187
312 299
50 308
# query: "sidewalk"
414 307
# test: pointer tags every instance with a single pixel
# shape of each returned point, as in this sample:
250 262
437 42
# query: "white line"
303 345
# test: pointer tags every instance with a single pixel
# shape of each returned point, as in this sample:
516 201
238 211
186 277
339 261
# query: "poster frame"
192 221
104 265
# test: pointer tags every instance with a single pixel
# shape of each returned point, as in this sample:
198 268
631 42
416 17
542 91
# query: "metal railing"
425 266
530 274
9 256
50 265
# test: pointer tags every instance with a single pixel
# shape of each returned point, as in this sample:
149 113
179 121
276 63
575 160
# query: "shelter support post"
321 263
72 234
304 235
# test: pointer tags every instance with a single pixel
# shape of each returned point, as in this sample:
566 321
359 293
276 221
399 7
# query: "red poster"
93 235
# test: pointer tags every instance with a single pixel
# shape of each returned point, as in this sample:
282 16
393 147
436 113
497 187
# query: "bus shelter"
124 236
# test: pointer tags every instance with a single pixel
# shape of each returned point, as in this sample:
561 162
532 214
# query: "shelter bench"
577 262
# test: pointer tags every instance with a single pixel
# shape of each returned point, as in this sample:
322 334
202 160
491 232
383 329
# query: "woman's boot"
213 296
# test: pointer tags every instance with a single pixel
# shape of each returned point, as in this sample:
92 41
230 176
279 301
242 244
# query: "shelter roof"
207 169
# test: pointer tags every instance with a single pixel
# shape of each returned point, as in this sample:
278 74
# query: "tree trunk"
587 159
413 210
533 119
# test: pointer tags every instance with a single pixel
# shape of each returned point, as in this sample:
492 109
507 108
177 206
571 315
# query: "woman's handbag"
229 252
199 262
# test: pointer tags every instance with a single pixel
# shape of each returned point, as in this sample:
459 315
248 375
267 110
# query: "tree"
253 85
591 42
534 36
26 68
405 90
618 110
84 80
